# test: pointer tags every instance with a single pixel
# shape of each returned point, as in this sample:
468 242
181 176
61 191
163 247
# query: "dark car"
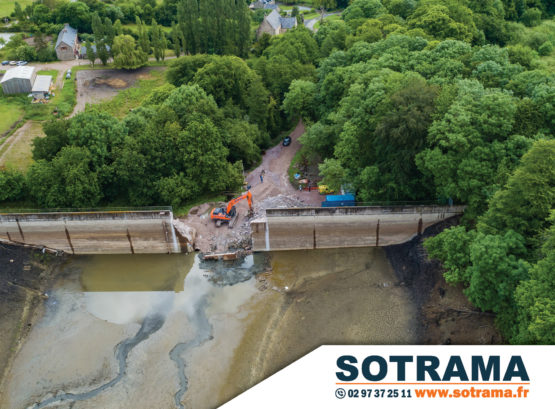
287 141
5 62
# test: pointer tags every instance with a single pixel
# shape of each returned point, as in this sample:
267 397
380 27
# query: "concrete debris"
188 233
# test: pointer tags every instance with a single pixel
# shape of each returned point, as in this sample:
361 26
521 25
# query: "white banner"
410 377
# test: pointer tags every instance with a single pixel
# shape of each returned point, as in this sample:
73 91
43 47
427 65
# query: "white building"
41 87
18 80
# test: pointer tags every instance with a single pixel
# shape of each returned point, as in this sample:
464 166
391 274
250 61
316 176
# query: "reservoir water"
159 331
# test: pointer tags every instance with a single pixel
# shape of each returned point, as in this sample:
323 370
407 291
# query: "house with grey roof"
67 45
264 4
83 50
274 24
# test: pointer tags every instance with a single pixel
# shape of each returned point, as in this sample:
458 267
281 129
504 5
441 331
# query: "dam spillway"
338 227
94 232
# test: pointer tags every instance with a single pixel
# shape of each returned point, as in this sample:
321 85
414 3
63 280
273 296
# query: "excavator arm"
233 202
220 215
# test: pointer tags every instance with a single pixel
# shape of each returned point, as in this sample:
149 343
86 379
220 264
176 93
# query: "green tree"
77 14
91 54
323 5
531 17
56 138
12 185
444 19
118 28
159 42
144 42
359 9
472 148
536 296
496 269
333 174
126 54
109 32
65 181
525 203
176 42
18 11
299 100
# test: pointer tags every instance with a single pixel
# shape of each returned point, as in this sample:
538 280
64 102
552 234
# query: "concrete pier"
320 228
103 232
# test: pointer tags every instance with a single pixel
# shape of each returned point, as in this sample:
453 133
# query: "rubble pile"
241 232
276 202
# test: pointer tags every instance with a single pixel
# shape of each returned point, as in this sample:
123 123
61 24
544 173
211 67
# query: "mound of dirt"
111 82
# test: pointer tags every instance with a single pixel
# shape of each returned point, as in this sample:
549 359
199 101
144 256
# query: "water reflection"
145 272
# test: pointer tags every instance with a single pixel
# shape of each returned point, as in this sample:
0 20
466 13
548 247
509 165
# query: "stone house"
264 4
274 24
67 45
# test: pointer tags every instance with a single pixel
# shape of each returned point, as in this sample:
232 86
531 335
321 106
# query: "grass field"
9 114
132 97
6 6
19 155
52 73
133 27
328 18
14 107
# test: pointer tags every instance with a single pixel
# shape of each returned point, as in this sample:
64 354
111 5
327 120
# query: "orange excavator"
229 213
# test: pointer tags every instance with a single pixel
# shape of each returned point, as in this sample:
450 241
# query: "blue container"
339 200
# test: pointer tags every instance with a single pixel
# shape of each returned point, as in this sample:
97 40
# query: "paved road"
310 23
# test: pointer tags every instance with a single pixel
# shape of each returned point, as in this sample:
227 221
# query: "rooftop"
68 35
42 83
288 22
24 72
273 18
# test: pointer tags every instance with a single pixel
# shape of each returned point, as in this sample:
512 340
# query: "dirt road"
274 191
15 148
275 164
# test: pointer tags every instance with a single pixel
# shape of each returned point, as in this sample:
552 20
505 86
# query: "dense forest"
404 100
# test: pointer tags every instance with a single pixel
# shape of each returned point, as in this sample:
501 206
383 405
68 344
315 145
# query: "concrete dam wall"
104 232
320 228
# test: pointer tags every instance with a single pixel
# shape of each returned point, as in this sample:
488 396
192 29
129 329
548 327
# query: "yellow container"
324 190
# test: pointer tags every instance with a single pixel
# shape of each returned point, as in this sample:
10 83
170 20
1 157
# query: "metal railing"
112 209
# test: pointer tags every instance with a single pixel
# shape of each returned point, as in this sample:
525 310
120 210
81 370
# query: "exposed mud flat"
341 296
25 274
159 331
173 331
444 313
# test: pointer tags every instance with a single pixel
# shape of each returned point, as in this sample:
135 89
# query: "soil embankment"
445 314
24 276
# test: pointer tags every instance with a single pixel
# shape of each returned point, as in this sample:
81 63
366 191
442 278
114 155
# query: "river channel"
160 331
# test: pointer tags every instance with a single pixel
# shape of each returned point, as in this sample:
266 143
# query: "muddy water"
175 332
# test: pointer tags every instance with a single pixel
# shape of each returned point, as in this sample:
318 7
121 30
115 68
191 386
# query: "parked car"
68 75
287 141
20 63
13 62
5 62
